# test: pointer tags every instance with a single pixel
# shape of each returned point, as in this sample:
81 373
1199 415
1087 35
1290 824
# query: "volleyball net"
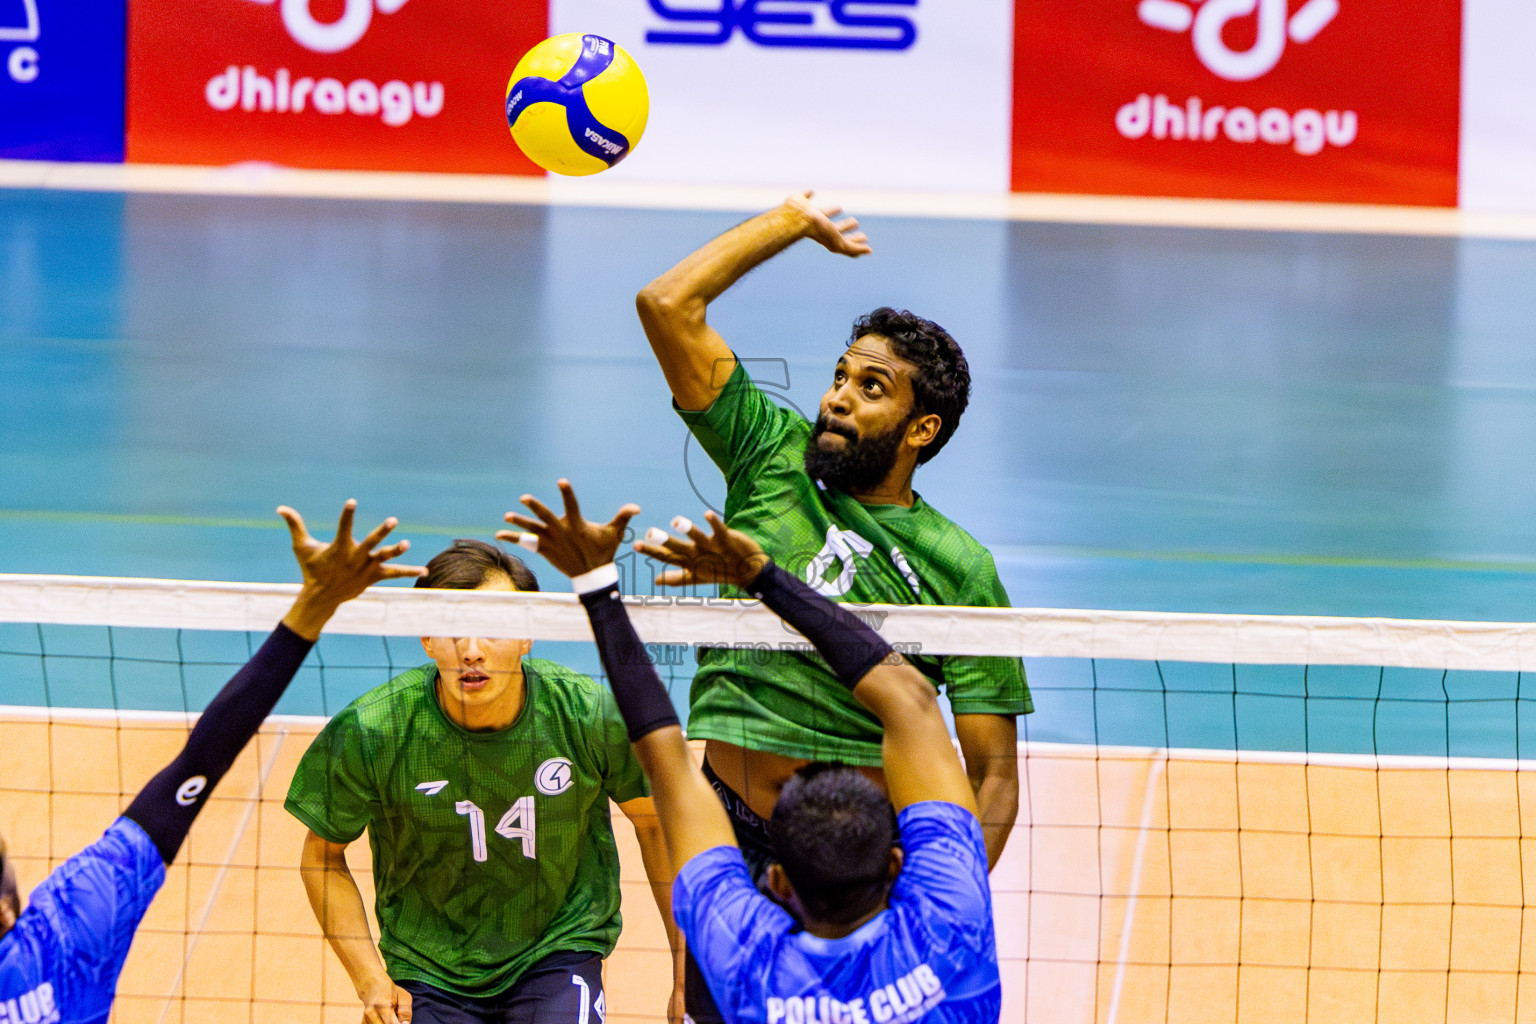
1222 818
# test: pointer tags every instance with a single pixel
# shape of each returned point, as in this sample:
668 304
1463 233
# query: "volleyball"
577 104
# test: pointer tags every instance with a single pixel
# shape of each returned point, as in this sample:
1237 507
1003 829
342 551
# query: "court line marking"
196 934
1005 551
1143 831
261 179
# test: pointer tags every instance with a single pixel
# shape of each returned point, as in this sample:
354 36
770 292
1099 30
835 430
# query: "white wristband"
596 579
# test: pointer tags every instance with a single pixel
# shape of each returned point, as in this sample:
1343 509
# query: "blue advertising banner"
62 79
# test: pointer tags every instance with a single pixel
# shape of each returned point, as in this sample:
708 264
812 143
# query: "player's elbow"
319 857
652 303
898 693
661 307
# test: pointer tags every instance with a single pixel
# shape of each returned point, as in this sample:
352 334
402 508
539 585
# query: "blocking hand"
570 543
337 572
723 555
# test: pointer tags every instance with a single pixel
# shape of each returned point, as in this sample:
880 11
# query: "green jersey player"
831 502
483 780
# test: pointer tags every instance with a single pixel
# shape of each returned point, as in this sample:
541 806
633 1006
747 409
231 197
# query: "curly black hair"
942 383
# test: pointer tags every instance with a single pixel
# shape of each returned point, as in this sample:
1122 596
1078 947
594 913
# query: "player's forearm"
690 811
658 871
990 746
167 805
916 750
642 698
695 360
706 273
851 648
917 753
338 906
997 802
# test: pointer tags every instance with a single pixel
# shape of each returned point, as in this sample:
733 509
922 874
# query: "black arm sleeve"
849 646
637 689
167 805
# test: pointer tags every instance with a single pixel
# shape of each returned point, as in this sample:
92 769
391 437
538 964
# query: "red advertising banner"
1321 100
408 85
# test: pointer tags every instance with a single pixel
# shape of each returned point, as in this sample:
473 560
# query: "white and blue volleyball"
577 104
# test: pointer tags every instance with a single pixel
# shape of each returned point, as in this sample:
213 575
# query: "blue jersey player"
60 958
874 918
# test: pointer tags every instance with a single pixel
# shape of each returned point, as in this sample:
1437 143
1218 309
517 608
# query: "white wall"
1498 105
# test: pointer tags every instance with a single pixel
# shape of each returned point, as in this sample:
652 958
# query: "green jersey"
490 850
789 702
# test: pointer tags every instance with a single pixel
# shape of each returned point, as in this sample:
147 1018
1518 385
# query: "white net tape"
1024 632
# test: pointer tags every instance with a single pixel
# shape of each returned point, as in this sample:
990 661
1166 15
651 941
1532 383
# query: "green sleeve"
623 778
741 428
332 791
986 685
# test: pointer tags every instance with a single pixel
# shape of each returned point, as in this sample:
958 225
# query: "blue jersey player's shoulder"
931 955
942 899
60 963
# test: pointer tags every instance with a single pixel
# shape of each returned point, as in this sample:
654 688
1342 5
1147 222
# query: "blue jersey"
59 965
931 954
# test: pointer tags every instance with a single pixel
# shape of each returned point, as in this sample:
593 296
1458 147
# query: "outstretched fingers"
526 523
344 524
675 578
296 528
622 517
681 575
681 552
377 534
394 550
568 495
539 509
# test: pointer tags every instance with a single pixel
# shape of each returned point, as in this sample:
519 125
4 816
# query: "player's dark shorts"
757 850
563 988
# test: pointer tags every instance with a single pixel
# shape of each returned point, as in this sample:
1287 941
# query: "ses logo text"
801 24
1308 130
395 102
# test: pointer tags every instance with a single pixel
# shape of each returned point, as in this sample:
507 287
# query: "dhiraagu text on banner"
386 85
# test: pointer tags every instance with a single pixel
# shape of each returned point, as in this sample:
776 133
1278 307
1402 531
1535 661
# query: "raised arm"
917 752
690 812
334 573
695 359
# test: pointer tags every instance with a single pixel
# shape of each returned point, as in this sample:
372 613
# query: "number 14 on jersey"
517 824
